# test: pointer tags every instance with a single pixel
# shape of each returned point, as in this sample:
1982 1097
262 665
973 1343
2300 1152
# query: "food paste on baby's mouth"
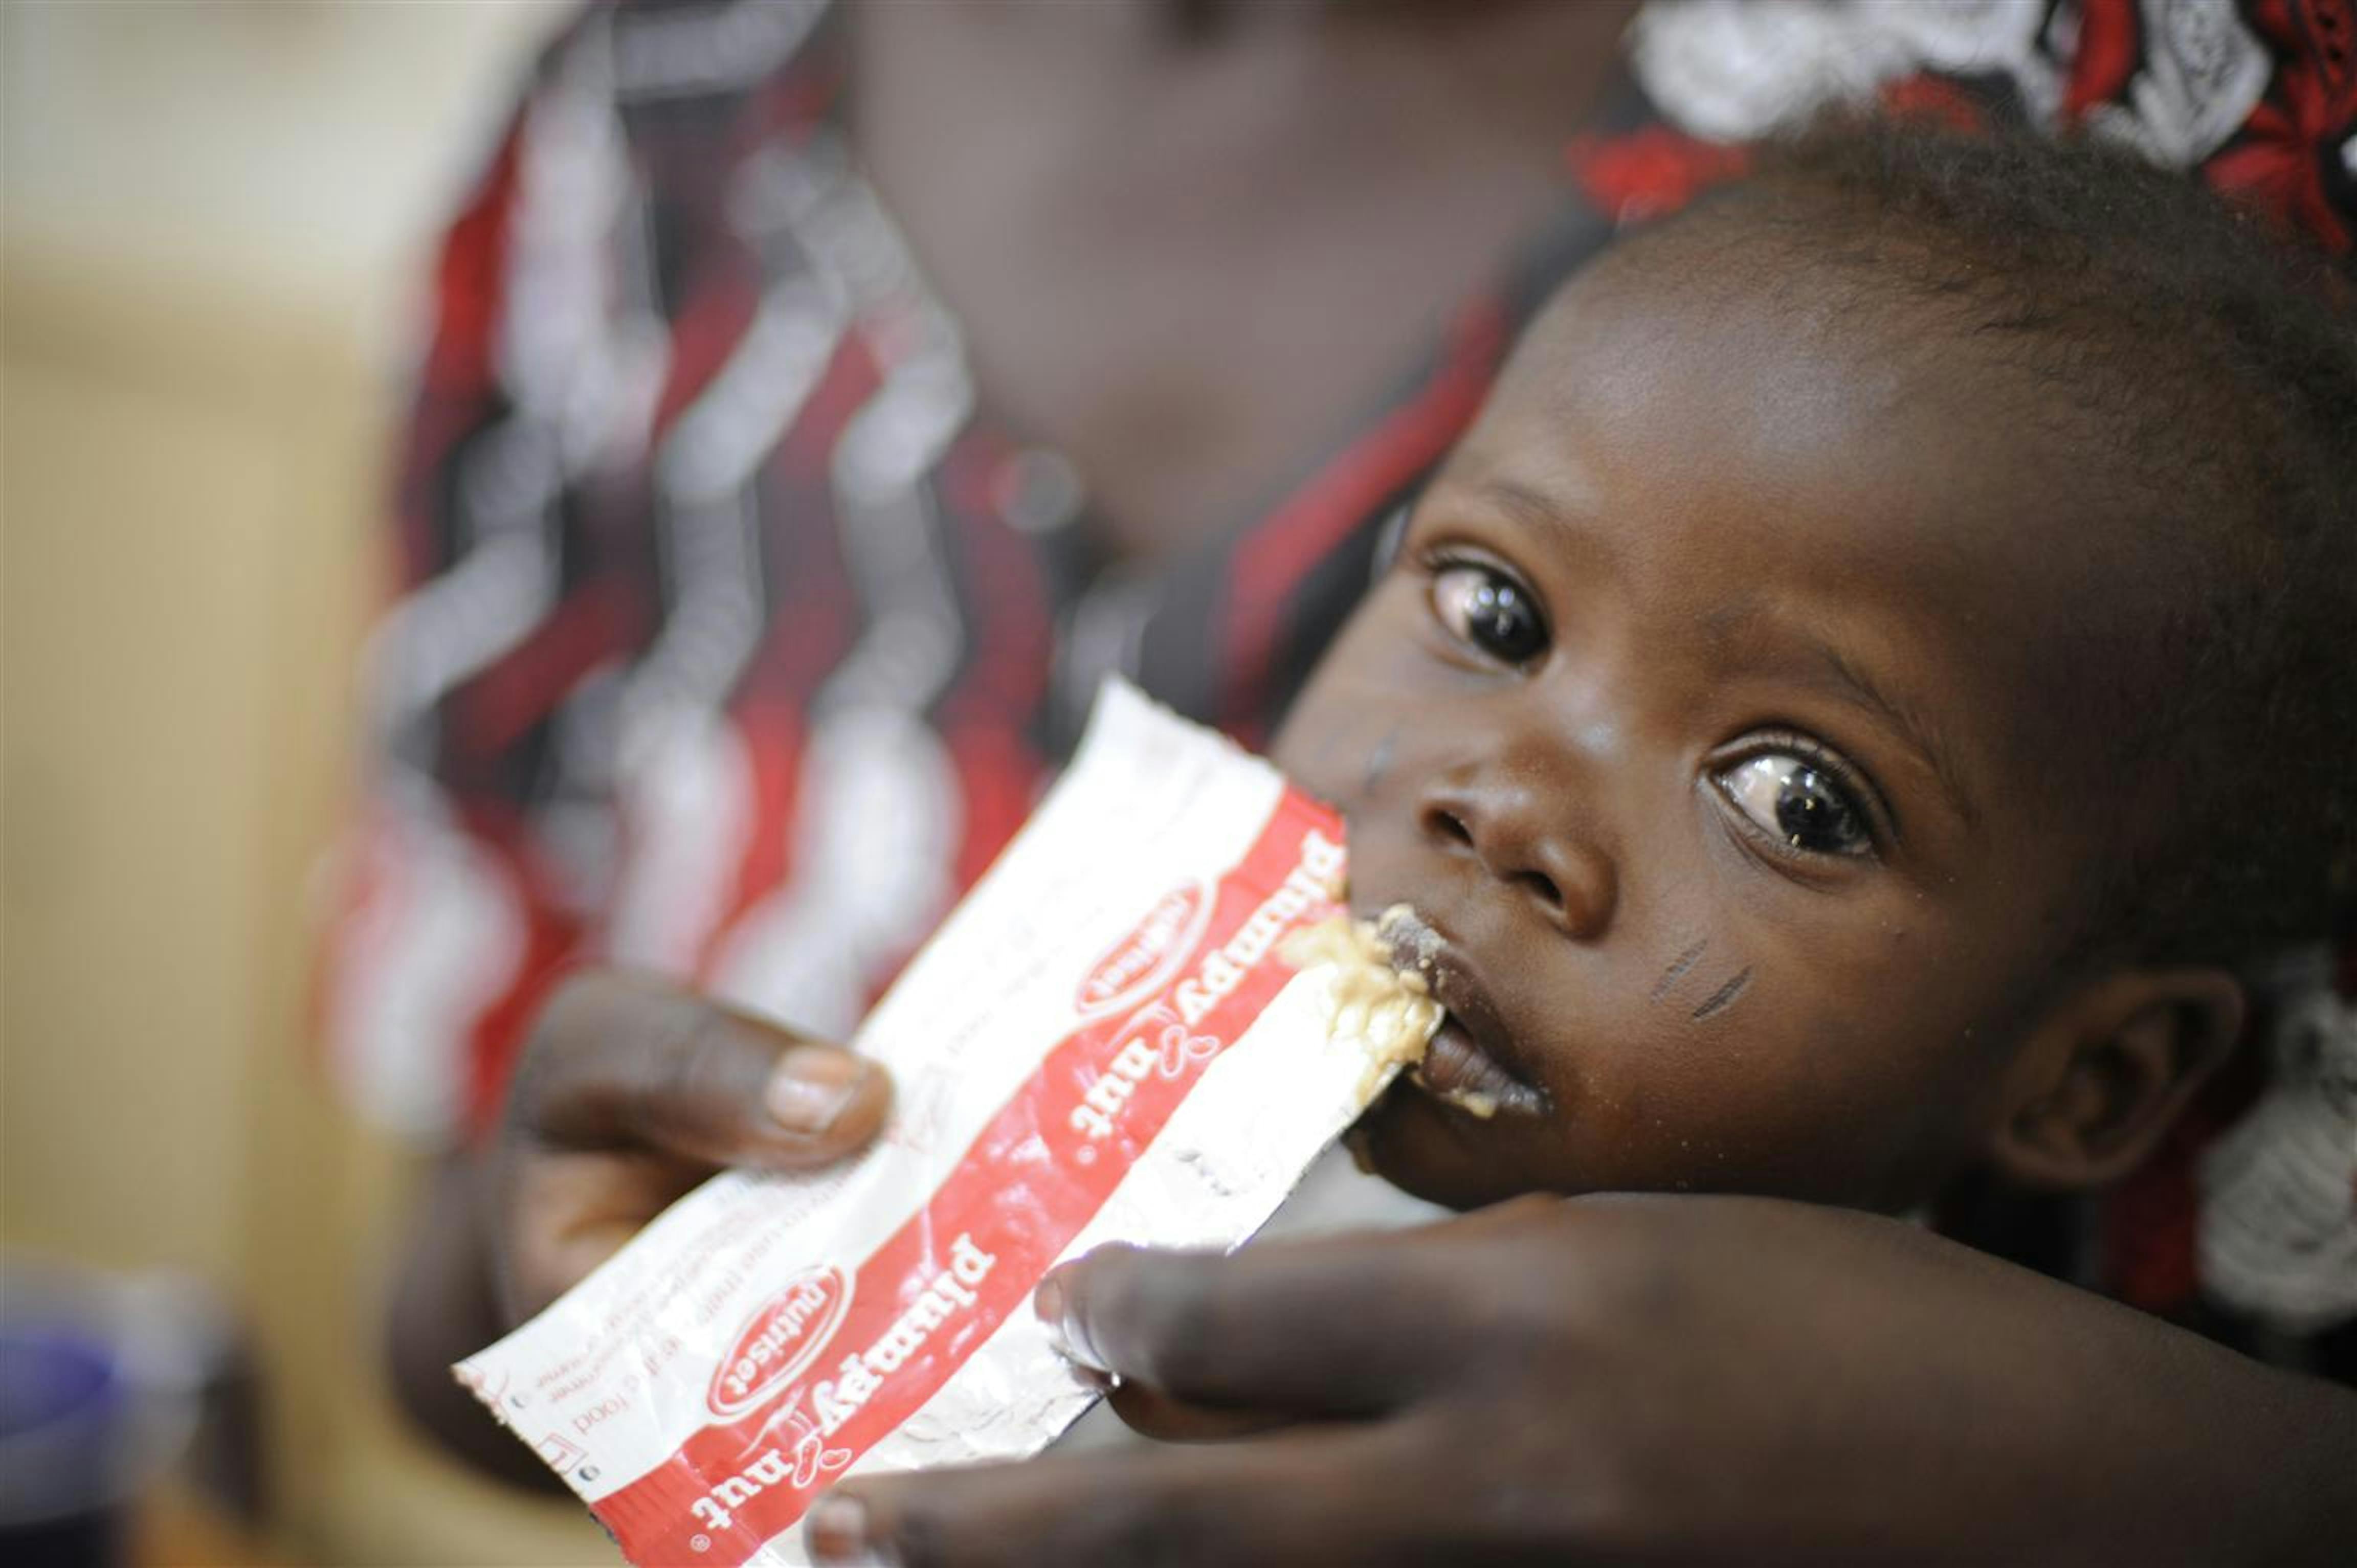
1390 1010
1409 938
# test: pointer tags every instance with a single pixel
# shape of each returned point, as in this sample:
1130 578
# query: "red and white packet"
1104 1043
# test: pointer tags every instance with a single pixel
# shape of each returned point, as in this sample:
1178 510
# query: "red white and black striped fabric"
735 638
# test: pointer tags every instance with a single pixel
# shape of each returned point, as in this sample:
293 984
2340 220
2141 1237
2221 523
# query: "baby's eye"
1799 802
1483 607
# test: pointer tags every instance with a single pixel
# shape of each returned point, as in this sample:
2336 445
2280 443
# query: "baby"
1876 672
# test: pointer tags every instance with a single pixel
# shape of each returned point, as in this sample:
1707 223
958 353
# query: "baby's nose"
1536 853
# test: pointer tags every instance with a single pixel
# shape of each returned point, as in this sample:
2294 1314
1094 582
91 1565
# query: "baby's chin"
1443 1155
1450 1156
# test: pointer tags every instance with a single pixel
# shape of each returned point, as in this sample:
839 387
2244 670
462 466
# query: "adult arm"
1631 1380
629 1092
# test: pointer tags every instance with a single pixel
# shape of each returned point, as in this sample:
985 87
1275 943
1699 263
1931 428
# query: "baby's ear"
2100 1077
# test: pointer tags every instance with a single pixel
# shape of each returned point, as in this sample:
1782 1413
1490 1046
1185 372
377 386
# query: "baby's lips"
1488 1073
1415 942
1457 1071
1418 944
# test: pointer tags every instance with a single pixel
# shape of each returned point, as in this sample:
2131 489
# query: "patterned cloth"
736 638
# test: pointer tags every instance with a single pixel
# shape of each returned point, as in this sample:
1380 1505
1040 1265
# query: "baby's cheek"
1340 740
1365 683
1316 756
1769 1095
1859 1117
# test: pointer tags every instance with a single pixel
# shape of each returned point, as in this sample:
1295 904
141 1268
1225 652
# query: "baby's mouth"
1467 1065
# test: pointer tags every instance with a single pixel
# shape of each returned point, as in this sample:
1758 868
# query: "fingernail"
810 1087
1052 1302
1047 1301
836 1531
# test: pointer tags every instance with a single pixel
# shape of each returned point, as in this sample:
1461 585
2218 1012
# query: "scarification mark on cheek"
1678 967
1724 997
1378 761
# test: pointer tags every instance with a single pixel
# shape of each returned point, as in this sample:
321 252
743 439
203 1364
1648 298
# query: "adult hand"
629 1091
1637 1379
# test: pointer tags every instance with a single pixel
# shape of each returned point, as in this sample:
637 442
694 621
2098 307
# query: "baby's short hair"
2210 364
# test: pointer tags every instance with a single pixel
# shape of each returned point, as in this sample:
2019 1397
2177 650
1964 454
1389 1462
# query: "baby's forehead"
1771 385
1717 286
1745 359
1743 434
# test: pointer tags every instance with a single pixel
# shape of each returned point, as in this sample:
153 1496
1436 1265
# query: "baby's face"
1730 717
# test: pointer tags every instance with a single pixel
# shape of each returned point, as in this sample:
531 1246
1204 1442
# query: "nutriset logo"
781 1340
1144 960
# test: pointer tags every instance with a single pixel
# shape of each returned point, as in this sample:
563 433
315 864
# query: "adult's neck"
1519 72
1189 242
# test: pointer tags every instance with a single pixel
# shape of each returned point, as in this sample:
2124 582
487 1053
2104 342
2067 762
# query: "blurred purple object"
94 1402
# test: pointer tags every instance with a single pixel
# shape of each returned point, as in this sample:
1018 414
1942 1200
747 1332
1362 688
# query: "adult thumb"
623 1062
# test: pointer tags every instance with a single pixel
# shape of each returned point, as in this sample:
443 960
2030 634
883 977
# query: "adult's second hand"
1637 1379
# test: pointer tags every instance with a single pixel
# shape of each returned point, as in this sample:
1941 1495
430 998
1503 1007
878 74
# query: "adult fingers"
1332 1495
625 1063
1151 1413
1339 1325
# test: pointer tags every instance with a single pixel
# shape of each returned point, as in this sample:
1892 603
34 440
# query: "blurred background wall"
217 215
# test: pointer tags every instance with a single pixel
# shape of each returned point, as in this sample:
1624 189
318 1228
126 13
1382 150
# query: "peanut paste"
1392 1011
